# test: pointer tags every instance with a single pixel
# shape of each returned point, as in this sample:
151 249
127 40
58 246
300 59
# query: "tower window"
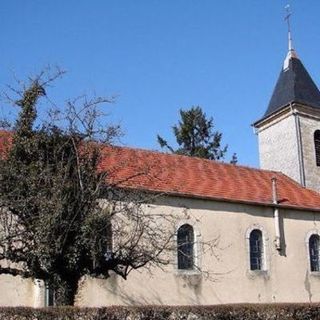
314 242
185 242
317 146
256 250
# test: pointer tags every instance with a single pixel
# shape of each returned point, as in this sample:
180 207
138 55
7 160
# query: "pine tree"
196 138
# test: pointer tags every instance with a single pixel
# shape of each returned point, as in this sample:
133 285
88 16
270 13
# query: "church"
265 222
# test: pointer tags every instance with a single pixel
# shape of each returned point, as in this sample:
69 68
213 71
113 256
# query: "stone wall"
278 149
308 126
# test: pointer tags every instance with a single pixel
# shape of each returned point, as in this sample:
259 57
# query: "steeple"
289 131
294 84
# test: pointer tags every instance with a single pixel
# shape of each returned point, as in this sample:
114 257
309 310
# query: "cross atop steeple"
291 53
287 18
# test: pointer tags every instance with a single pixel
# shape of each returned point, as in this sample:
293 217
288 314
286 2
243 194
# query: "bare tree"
59 217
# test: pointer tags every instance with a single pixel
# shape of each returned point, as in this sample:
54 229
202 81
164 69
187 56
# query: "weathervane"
287 18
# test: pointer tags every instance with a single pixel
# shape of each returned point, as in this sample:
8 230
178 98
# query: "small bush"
221 312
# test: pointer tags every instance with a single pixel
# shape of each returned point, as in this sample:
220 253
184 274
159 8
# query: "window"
314 242
256 250
185 243
49 296
317 146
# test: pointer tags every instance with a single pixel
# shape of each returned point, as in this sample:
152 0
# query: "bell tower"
289 131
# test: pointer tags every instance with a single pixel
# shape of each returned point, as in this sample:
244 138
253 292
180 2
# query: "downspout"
299 145
276 214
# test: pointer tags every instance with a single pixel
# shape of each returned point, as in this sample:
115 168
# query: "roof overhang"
285 111
227 200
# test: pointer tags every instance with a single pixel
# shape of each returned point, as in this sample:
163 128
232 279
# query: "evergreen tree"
195 136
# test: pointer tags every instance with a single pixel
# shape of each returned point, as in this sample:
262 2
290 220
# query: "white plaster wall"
287 278
16 291
278 149
312 172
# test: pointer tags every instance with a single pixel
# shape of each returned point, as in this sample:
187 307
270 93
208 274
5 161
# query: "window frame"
196 270
311 233
265 246
314 263
185 247
256 250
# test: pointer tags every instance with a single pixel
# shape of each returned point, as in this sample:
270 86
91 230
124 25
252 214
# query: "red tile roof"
199 178
5 142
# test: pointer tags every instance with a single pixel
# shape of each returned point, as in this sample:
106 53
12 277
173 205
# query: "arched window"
185 242
256 250
314 242
317 146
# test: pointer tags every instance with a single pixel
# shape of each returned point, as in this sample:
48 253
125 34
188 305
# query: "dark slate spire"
294 83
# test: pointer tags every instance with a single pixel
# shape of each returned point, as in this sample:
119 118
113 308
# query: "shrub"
221 312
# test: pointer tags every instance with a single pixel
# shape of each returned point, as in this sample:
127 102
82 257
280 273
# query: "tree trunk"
65 292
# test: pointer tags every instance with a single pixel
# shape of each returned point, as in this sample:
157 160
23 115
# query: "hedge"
222 312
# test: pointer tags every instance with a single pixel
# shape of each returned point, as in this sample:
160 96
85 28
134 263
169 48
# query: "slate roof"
205 179
294 85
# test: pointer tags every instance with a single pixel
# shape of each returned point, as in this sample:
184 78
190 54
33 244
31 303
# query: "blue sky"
158 56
